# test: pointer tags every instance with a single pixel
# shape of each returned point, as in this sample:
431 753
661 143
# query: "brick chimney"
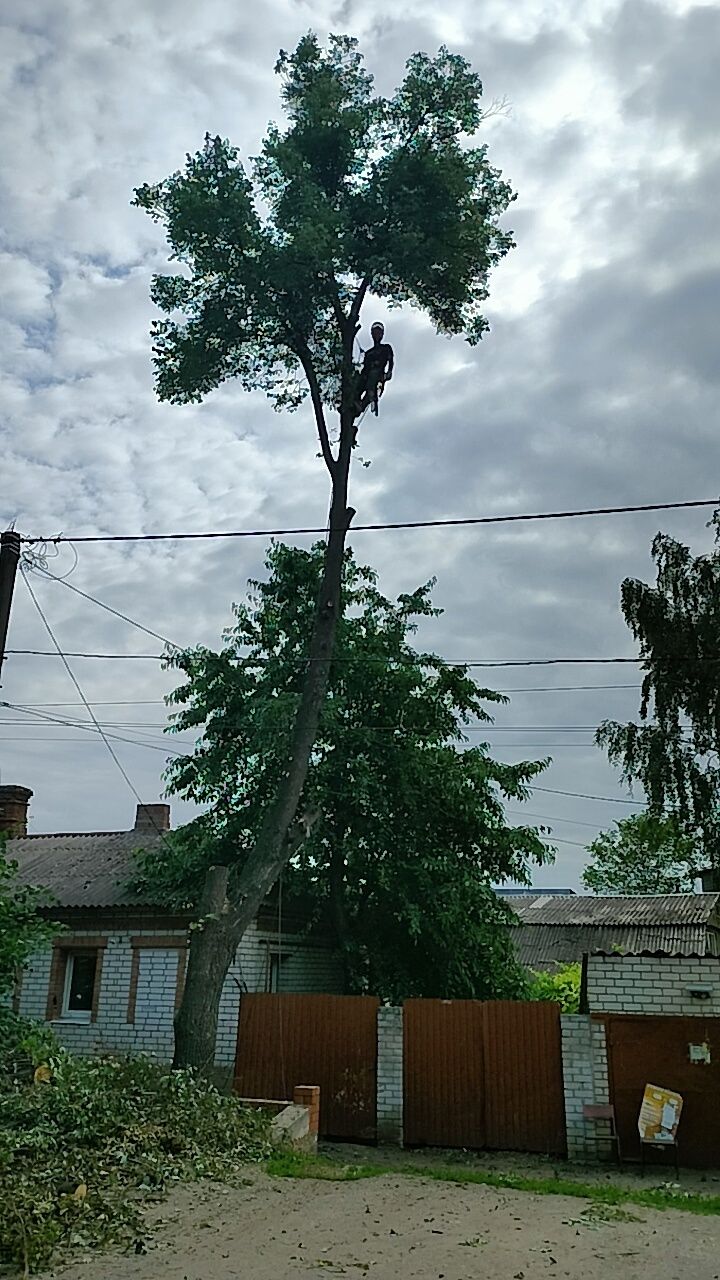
152 818
13 810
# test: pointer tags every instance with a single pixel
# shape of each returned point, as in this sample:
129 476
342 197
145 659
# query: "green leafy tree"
673 751
561 985
23 929
359 195
644 854
411 831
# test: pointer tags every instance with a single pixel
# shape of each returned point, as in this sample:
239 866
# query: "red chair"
605 1112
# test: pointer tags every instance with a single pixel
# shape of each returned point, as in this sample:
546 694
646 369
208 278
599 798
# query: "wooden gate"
656 1050
484 1075
284 1040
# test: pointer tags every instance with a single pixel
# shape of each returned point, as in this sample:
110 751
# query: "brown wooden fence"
484 1075
331 1041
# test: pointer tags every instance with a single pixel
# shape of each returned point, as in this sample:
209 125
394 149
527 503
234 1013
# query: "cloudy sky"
597 385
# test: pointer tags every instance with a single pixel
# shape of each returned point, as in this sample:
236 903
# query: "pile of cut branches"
83 1142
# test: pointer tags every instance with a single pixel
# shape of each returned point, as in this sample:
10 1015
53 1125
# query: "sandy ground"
395 1227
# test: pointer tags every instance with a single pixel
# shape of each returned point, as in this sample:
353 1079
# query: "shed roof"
555 931
674 909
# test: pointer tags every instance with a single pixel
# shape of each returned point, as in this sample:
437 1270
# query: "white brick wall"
390 1074
585 1077
653 984
309 967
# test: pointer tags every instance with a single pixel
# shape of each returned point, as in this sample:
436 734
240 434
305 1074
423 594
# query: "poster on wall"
659 1114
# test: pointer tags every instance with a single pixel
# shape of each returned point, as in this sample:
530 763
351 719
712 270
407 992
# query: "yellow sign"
659 1114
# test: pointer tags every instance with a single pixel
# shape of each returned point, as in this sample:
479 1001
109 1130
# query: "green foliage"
22 929
644 854
357 188
561 985
78 1153
673 751
412 829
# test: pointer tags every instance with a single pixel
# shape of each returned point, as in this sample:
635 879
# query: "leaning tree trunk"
214 943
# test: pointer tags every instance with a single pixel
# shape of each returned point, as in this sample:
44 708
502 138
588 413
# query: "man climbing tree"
377 369
358 195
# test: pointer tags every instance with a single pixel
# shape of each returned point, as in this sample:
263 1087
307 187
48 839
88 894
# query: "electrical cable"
445 662
366 528
74 724
160 702
581 795
111 751
109 609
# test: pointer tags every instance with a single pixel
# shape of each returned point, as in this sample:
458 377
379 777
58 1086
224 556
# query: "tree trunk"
338 914
212 949
197 1018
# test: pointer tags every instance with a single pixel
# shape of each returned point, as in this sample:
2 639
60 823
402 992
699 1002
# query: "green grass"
292 1165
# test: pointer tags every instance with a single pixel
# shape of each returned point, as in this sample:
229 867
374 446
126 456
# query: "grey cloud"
672 62
595 386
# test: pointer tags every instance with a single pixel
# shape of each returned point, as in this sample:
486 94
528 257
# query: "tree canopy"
673 751
644 854
411 832
357 188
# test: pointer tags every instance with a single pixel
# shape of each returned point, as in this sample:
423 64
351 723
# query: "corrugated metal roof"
544 946
679 909
84 870
503 892
654 955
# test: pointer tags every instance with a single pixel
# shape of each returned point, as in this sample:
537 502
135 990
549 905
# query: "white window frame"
279 956
66 1013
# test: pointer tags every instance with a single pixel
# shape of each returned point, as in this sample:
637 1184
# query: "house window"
80 975
75 978
276 961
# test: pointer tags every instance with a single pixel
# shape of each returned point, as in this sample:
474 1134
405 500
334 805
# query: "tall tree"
644 854
412 831
358 195
674 750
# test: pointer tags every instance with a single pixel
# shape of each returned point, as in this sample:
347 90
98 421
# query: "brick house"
113 978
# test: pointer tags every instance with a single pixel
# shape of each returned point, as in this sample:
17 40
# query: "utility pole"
9 557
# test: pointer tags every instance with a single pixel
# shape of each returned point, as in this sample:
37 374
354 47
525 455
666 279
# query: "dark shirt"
377 359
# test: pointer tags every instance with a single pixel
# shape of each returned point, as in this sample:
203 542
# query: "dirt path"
399 1228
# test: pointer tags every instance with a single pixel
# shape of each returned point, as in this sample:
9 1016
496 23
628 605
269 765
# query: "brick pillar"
585 1077
308 1095
390 1075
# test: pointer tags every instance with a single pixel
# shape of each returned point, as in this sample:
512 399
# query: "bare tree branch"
304 356
357 302
498 107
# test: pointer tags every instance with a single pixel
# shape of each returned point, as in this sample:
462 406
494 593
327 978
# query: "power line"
366 528
95 727
109 609
566 688
81 742
516 662
160 702
581 795
543 817
111 750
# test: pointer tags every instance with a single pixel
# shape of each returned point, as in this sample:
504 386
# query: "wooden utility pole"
9 557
